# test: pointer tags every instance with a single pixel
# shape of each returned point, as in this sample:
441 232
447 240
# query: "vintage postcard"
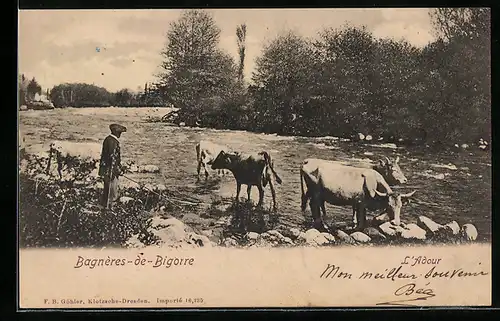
254 158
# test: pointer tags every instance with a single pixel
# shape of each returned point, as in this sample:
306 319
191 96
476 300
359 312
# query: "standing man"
110 165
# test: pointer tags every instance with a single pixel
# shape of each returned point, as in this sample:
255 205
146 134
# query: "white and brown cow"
206 152
362 188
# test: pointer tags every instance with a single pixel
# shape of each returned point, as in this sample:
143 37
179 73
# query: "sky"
119 49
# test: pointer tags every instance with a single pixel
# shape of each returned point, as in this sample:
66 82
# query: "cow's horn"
380 193
408 194
388 160
397 159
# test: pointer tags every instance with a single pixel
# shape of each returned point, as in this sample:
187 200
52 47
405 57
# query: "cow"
342 185
206 152
251 170
64 150
389 170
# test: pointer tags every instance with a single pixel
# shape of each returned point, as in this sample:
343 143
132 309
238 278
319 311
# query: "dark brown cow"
251 170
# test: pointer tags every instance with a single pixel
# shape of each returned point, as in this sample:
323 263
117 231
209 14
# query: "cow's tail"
304 194
269 163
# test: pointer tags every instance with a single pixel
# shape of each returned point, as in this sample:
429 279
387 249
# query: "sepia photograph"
276 150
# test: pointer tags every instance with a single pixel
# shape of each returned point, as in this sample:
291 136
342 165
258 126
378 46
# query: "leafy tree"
22 89
32 89
196 74
123 98
241 32
348 56
80 95
283 78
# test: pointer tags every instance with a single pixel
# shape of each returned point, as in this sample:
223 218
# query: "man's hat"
116 128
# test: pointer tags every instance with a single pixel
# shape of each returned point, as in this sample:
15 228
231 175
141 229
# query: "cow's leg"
206 171
261 195
249 190
59 169
198 168
323 209
238 190
273 194
315 205
354 210
361 216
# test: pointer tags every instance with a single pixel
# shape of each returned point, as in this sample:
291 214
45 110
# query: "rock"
230 242
374 234
329 237
207 232
360 237
413 231
464 146
149 169
391 230
125 199
223 221
483 147
294 233
160 188
158 222
311 234
198 240
368 137
275 238
313 237
99 185
377 220
134 242
319 240
361 136
275 233
301 238
429 225
453 227
469 232
252 236
169 235
368 153
344 237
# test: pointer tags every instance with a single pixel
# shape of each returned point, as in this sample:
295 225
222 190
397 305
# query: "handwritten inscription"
413 291
159 261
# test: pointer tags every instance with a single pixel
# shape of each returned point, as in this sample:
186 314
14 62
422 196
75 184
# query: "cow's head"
222 161
395 201
391 171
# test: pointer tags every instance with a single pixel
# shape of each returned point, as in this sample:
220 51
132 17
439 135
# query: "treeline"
87 95
343 82
27 89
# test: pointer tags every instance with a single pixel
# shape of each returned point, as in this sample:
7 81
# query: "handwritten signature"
410 292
